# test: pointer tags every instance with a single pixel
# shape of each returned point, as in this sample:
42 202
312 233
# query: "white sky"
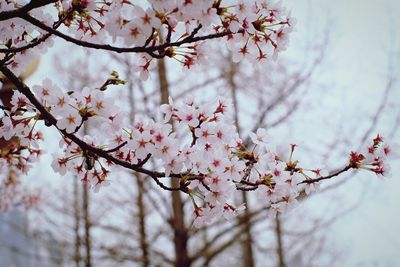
362 33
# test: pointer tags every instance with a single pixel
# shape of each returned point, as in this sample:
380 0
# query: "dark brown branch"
37 41
334 174
116 148
194 137
169 34
5 15
144 161
146 43
51 120
5 108
246 189
139 49
163 186
254 186
32 44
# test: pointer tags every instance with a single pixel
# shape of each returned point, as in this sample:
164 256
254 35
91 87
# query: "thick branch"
5 15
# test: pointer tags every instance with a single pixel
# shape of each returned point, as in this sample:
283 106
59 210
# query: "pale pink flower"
260 137
70 121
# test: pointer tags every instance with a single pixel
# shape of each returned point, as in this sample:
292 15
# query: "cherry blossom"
168 109
260 137
70 121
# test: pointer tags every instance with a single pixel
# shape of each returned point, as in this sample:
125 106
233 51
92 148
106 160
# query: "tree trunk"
279 249
142 222
178 220
77 218
247 242
87 226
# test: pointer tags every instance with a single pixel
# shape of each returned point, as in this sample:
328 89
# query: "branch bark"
5 15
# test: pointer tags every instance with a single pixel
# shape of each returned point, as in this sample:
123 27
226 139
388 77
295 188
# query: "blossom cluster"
375 157
284 180
256 30
17 33
209 159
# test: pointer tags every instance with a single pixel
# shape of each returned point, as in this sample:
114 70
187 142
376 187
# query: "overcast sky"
364 39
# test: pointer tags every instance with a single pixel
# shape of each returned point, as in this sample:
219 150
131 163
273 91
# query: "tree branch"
138 49
35 42
51 120
5 15
334 174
